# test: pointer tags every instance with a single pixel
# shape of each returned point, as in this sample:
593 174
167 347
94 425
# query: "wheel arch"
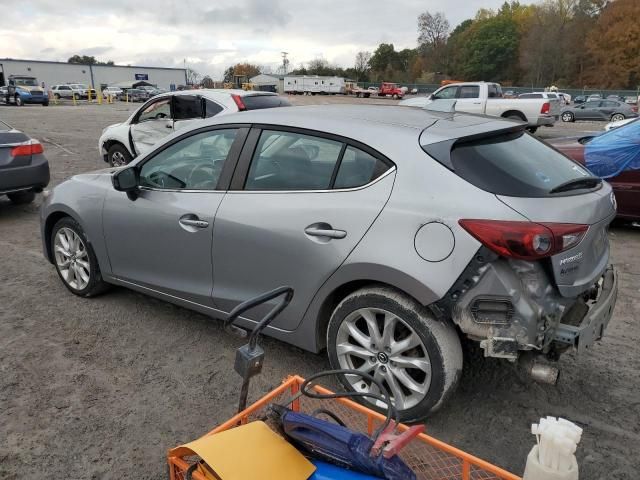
51 220
346 282
107 144
516 113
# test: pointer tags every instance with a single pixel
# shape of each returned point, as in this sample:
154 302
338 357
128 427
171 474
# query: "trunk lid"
574 270
8 140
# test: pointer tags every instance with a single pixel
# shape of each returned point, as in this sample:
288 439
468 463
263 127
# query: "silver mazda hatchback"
401 231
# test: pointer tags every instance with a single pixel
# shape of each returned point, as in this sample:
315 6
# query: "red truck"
391 89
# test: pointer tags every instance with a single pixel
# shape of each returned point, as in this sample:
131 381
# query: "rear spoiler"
441 151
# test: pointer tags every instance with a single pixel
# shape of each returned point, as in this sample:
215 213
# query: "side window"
156 110
186 107
211 108
292 161
446 93
610 104
494 91
358 168
193 163
469 91
592 104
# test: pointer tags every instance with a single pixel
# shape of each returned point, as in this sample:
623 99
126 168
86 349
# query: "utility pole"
285 62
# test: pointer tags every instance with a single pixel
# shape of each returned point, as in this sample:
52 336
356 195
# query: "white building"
98 76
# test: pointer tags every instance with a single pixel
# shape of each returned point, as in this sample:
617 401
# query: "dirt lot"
101 388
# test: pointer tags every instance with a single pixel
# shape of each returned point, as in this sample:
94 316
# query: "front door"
153 123
163 238
306 203
187 109
468 99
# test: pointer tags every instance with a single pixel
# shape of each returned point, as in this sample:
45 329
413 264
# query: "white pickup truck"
486 98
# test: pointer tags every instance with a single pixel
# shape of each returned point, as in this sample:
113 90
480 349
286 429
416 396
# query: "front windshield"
27 82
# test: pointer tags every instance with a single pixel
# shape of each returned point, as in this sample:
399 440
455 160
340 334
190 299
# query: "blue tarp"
615 151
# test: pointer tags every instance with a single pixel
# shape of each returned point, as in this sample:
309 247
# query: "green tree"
87 60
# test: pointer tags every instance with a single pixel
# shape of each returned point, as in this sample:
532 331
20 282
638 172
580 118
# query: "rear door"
297 208
627 189
153 122
187 109
608 108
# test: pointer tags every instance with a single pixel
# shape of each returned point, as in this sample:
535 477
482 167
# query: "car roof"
372 123
216 91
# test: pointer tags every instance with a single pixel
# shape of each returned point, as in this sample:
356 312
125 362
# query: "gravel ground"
101 388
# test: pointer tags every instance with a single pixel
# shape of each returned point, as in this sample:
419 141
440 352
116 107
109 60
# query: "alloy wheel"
117 159
72 258
567 117
617 117
378 342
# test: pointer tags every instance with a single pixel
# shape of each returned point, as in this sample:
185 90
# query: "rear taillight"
239 103
546 107
525 240
30 147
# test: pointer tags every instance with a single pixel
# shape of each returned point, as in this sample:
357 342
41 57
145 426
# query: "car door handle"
324 232
168 125
194 222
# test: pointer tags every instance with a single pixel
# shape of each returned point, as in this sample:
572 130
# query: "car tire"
56 96
415 338
82 277
395 96
567 117
19 101
532 130
118 155
21 198
45 103
616 117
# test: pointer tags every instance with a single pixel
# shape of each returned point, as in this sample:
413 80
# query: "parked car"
618 98
169 112
64 91
486 98
113 91
149 90
593 97
621 147
618 124
133 95
633 100
24 169
564 96
579 99
391 90
509 94
387 270
3 92
610 110
83 90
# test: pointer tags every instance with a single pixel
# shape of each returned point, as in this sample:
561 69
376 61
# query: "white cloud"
212 35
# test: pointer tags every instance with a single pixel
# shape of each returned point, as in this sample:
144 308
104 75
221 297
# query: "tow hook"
539 370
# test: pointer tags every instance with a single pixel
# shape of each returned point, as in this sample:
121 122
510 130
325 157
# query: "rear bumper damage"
512 306
594 323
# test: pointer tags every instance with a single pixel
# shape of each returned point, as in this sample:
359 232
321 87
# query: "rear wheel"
616 117
21 198
118 155
392 337
567 117
75 259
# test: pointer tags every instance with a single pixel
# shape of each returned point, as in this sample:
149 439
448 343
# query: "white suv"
172 111
64 91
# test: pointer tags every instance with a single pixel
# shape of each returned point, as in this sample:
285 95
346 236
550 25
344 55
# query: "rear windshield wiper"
577 184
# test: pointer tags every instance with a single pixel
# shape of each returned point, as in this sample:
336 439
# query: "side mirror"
125 180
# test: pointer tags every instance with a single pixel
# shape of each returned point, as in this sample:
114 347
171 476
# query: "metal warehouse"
98 76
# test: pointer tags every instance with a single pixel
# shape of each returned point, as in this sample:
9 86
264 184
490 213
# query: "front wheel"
19 101
118 155
617 117
567 117
392 337
75 259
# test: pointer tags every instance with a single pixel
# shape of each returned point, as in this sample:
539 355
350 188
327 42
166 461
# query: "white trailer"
311 85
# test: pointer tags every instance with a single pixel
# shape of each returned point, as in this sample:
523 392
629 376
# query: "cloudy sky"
214 34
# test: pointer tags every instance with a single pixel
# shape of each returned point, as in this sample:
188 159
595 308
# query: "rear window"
256 102
513 164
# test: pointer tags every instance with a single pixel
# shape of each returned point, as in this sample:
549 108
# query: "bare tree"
192 76
433 29
362 64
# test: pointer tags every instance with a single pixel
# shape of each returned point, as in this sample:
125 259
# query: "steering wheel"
159 177
204 176
160 115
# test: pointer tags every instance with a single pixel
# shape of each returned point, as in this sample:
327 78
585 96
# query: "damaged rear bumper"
596 320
